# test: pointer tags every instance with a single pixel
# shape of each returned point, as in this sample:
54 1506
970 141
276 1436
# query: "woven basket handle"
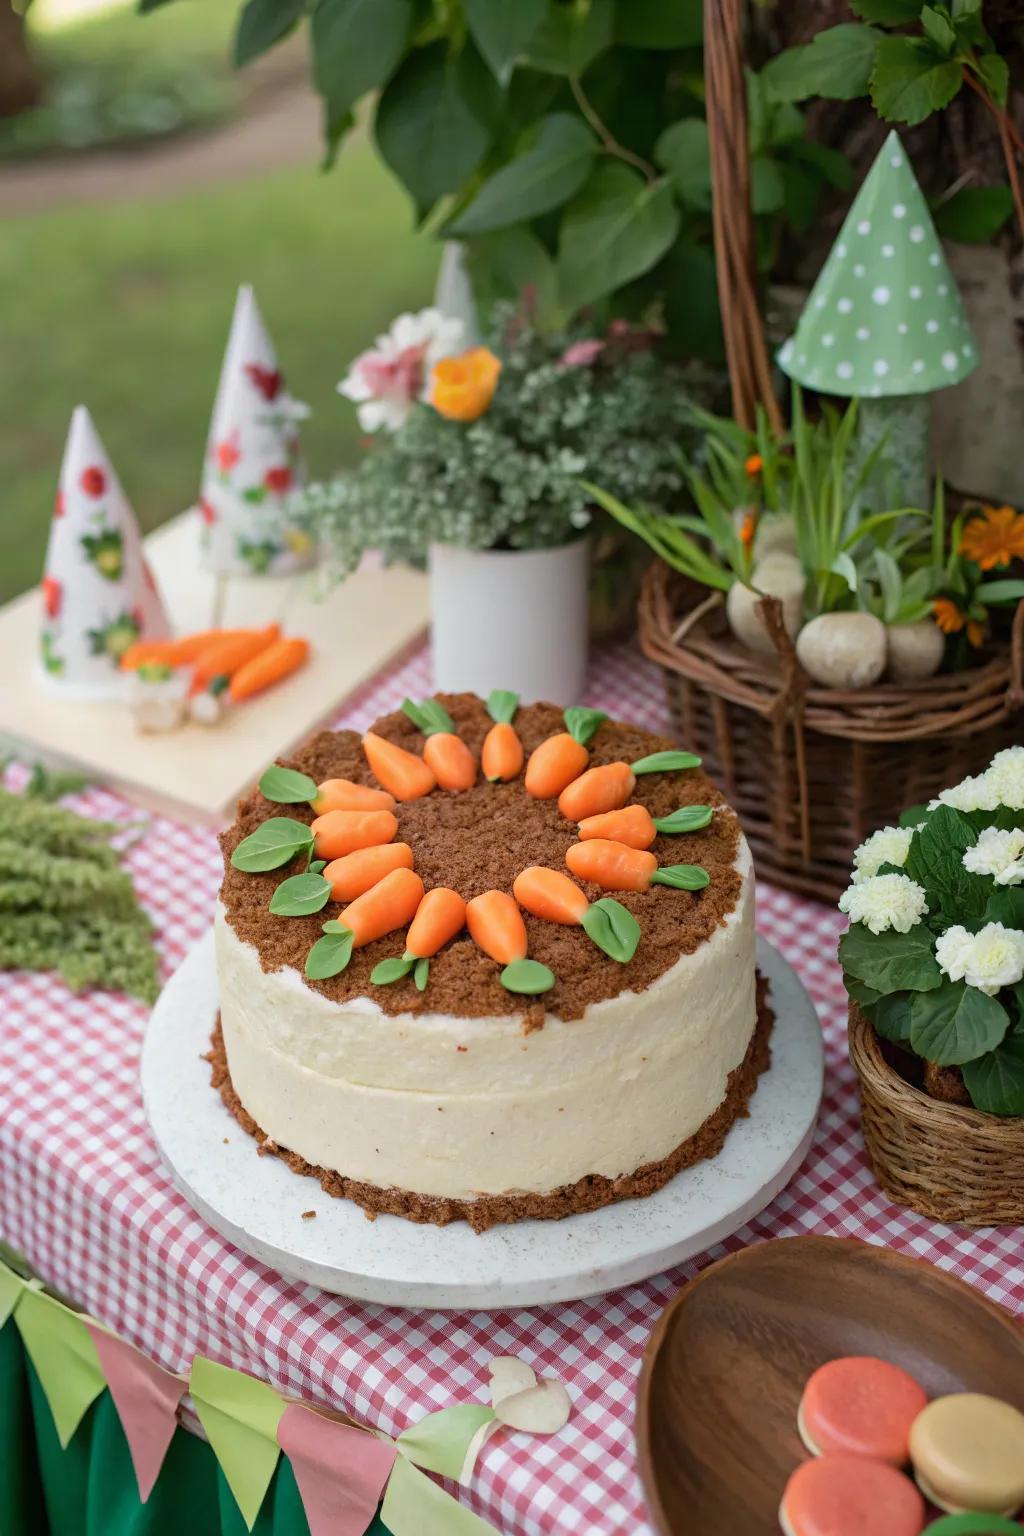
1015 691
790 701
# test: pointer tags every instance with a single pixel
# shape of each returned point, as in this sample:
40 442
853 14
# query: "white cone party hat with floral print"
99 594
253 459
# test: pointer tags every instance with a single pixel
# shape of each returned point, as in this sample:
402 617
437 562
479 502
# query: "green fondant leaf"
527 976
666 762
612 928
955 1024
502 705
388 971
285 786
689 818
421 974
329 955
682 877
582 723
316 865
891 962
273 843
300 895
430 717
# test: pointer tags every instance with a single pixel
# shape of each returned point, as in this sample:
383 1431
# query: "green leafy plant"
934 955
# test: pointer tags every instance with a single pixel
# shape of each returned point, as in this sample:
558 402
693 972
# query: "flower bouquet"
933 962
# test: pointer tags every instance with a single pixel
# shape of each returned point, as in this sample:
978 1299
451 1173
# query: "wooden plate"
725 1368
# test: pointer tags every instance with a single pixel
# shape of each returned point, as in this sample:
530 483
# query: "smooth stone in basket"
843 650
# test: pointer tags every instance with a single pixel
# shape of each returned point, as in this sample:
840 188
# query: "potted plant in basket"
933 962
476 469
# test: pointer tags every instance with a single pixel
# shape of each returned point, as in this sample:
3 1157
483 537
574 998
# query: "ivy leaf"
300 895
682 150
503 264
891 962
430 717
388 971
421 973
502 32
425 130
666 762
274 842
692 311
682 877
995 1081
911 79
975 215
939 29
612 929
995 72
891 13
544 177
955 1024
330 955
262 24
836 64
582 723
659 24
689 818
502 705
357 46
614 230
527 976
935 861
892 1016
767 189
286 786
570 37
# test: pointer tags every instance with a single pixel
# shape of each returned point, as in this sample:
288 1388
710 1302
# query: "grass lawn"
125 308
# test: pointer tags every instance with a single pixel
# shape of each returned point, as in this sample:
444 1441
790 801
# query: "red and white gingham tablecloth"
83 1195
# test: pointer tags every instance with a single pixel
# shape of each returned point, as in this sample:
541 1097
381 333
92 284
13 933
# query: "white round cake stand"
257 1202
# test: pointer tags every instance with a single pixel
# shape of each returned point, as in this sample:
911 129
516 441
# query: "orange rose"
462 388
994 537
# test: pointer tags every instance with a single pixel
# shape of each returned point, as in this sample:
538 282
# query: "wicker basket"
948 1162
813 771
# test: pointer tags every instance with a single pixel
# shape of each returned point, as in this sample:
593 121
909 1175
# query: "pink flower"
388 379
93 481
228 453
582 353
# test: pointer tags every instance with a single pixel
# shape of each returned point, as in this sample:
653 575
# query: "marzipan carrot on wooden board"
614 867
344 795
388 905
444 752
496 925
224 656
562 757
440 916
502 756
599 789
549 894
279 660
177 653
633 825
401 773
356 872
338 833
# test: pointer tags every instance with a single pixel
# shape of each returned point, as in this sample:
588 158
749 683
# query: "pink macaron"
860 1405
839 1494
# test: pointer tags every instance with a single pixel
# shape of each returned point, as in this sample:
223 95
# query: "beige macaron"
968 1454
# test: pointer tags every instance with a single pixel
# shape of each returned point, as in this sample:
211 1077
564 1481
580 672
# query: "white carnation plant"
935 950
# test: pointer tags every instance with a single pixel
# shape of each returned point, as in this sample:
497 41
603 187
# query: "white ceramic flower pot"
513 619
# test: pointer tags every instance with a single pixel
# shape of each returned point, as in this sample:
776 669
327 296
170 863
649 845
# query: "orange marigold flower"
754 464
947 615
462 387
994 537
975 633
748 528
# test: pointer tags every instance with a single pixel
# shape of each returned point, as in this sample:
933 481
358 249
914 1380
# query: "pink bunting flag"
146 1398
340 1471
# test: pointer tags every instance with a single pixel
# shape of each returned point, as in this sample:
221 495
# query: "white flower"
999 854
386 380
890 845
972 794
989 960
884 901
1005 778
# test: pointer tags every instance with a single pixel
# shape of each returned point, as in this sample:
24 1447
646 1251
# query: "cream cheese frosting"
457 1108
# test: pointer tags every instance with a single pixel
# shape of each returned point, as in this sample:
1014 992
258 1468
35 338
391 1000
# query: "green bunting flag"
884 317
240 1416
439 1442
414 1505
64 1355
11 1287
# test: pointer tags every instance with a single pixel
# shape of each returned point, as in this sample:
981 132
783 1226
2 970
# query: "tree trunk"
20 85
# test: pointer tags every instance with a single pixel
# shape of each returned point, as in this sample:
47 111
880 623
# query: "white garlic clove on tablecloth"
157 697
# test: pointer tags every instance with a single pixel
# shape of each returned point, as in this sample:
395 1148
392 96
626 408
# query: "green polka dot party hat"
884 317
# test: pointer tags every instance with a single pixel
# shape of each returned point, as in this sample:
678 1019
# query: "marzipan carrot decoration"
444 753
552 896
226 654
496 924
279 660
439 917
633 826
177 653
562 757
344 795
342 832
388 905
502 756
609 787
401 773
354 873
615 867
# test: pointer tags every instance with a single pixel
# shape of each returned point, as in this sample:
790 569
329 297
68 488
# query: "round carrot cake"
488 962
